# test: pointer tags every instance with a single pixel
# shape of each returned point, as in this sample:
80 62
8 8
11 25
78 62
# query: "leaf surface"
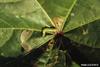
24 14
5 35
84 12
12 47
87 35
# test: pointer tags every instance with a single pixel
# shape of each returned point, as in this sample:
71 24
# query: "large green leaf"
84 12
24 14
87 35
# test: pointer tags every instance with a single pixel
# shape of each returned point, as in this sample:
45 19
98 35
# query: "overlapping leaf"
31 11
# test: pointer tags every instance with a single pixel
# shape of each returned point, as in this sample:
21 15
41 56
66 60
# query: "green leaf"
84 12
87 35
12 47
57 8
24 14
10 21
5 35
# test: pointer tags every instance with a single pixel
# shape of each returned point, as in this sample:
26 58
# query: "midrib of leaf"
45 13
75 1
22 29
16 28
